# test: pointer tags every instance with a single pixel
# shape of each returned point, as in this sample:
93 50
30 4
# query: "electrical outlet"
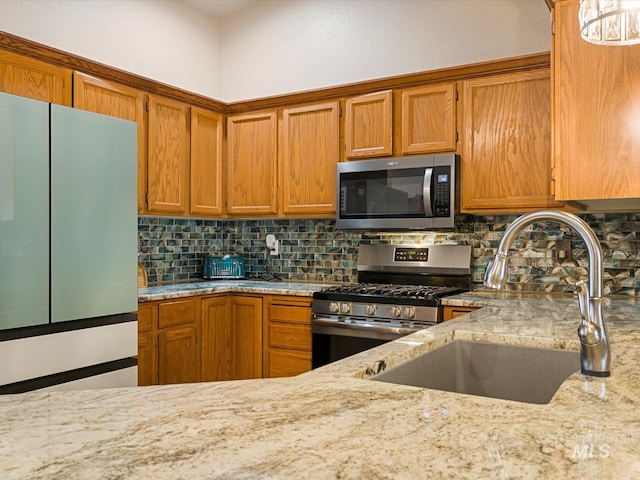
562 251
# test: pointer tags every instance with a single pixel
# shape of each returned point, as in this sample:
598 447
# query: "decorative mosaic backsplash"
173 250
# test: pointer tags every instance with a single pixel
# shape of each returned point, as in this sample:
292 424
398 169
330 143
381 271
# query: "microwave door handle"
426 192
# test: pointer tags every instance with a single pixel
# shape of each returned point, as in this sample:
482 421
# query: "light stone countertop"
179 290
333 422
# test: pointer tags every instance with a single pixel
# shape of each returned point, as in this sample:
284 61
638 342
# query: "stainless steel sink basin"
523 374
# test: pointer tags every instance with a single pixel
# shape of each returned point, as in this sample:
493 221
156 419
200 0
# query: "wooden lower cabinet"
169 342
231 337
147 345
449 312
287 336
223 337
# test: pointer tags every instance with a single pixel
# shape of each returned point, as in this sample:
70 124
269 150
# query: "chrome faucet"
595 351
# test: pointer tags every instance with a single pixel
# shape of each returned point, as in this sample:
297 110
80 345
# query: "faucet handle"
583 298
588 332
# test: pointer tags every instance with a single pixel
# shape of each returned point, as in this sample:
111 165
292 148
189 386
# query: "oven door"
335 339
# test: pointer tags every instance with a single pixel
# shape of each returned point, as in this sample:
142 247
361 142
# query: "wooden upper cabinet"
428 119
252 164
206 162
506 142
27 77
309 152
368 125
596 114
168 165
109 98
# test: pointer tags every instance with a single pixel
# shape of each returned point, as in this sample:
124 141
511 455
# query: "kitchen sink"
509 372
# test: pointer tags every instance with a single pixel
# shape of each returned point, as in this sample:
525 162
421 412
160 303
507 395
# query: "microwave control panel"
442 191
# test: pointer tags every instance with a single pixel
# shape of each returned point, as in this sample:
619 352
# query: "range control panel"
411 255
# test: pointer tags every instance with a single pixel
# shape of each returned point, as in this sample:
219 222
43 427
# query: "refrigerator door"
24 212
93 215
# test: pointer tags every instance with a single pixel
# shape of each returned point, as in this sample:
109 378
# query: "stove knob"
409 312
369 309
334 307
396 311
345 308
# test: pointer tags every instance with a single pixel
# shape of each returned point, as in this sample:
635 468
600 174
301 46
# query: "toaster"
227 266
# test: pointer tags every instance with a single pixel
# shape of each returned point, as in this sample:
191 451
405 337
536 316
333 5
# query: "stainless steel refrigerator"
68 248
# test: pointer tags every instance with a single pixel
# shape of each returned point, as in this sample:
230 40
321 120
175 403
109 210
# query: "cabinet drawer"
287 363
290 313
177 313
288 335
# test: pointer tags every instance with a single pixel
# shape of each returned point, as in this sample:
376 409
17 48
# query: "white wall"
281 46
158 39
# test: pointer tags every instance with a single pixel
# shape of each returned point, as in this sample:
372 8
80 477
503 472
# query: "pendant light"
610 22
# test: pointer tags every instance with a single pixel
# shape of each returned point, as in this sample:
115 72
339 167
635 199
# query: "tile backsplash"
174 249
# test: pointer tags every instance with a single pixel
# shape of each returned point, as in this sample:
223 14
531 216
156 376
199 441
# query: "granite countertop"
178 290
334 422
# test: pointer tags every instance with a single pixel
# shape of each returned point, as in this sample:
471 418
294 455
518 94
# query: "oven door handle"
363 330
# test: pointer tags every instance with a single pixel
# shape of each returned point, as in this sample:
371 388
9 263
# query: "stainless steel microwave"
403 193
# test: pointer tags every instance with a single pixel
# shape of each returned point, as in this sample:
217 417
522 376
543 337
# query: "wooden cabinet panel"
168 165
147 365
27 77
178 355
428 119
177 312
232 338
596 111
449 312
309 153
147 344
287 363
246 313
506 145
287 335
287 338
206 162
290 310
109 98
252 164
368 125
217 340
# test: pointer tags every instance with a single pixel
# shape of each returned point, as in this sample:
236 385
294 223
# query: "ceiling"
219 8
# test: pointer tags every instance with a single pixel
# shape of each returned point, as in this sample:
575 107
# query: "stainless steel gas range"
399 292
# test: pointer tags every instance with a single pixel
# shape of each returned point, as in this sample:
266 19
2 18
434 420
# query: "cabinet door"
31 78
178 355
597 106
506 145
168 166
147 344
428 119
309 152
368 125
206 162
217 340
109 98
246 314
252 164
